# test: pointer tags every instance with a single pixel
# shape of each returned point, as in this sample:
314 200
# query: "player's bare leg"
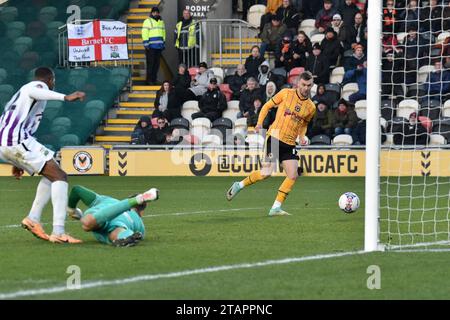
291 169
59 196
266 172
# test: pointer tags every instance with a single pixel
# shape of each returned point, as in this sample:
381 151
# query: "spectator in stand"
212 103
271 34
271 90
331 47
390 17
141 132
437 84
248 95
337 24
167 104
252 116
322 96
353 33
311 8
359 133
348 10
358 75
432 18
318 65
344 119
322 121
415 53
160 135
199 85
187 39
302 49
390 44
265 75
284 54
246 4
392 75
253 62
181 82
410 15
238 81
356 59
271 9
325 16
289 16
411 132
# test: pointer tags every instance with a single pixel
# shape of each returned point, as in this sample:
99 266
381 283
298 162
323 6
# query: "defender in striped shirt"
18 123
294 111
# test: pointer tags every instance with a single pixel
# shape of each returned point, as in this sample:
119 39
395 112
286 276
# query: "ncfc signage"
87 161
320 163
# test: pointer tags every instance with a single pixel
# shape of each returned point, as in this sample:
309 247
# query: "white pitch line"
151 277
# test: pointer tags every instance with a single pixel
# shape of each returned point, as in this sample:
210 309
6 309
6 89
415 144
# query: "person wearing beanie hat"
411 132
154 38
331 46
318 65
289 16
337 24
325 16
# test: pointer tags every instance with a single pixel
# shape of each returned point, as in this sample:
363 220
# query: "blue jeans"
339 130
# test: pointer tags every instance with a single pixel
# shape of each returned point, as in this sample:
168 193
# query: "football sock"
110 212
43 194
253 178
81 193
59 201
283 191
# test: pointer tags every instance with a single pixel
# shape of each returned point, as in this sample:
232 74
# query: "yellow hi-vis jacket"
154 33
192 40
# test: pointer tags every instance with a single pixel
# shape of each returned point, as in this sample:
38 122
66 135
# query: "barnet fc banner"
97 41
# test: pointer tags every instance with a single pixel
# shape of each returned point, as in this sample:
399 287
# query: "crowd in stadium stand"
335 52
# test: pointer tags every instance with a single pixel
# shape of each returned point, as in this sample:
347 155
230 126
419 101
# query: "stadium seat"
321 139
442 36
383 123
88 13
280 72
3 75
60 126
415 91
255 13
222 127
211 141
426 123
389 139
343 140
200 128
314 90
361 109
188 109
307 26
6 92
8 14
334 90
230 114
53 29
387 109
255 141
193 71
401 37
15 30
240 126
69 140
22 45
337 75
406 107
218 74
48 14
317 38
233 105
53 109
225 89
423 73
180 123
349 89
437 139
431 109
446 109
293 75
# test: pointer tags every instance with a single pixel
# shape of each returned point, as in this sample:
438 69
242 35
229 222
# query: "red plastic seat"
193 71
225 89
293 75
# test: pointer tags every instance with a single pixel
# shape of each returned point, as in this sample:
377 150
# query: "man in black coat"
249 95
237 81
317 64
212 103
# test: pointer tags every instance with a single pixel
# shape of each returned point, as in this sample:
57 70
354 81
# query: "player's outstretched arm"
77 95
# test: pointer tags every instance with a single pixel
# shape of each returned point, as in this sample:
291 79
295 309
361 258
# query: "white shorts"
30 156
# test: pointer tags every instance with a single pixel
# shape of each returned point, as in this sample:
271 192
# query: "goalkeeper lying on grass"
111 221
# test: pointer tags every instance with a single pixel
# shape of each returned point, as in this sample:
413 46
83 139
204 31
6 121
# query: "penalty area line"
178 274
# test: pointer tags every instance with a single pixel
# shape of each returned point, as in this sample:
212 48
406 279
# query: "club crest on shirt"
297 108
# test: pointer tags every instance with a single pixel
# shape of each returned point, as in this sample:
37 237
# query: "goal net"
415 116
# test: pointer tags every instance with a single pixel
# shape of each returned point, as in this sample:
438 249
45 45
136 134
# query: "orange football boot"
35 228
63 238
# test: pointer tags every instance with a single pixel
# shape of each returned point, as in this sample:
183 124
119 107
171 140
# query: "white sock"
241 185
43 194
59 201
276 204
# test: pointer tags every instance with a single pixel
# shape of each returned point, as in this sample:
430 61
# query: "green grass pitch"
193 228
